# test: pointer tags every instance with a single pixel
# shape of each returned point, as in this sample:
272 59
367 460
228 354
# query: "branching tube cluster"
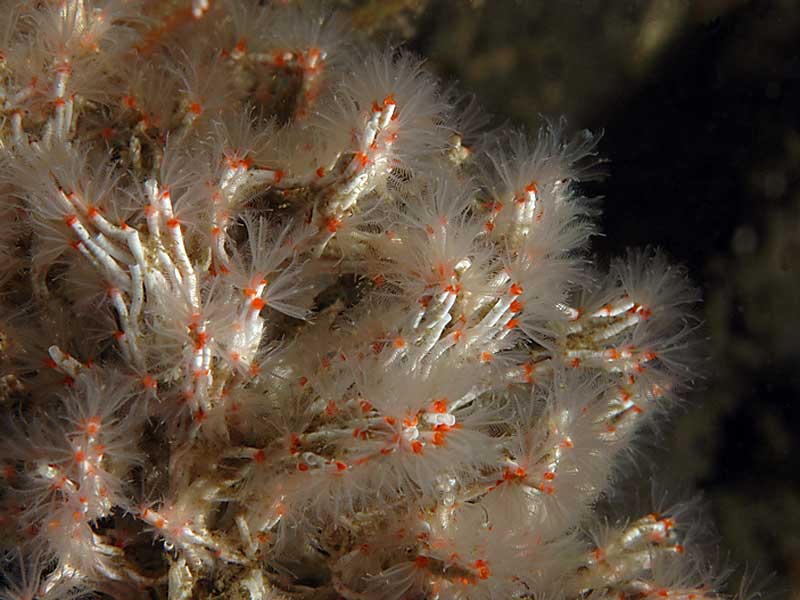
279 321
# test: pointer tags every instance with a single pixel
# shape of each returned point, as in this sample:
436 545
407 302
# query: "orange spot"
575 363
80 456
173 223
302 467
512 324
438 438
421 562
486 357
259 456
92 425
527 368
440 406
332 224
362 158
257 304
390 420
195 109
516 306
70 220
129 101
483 569
399 343
340 466
489 226
518 473
549 475
278 176
200 341
320 172
303 381
516 289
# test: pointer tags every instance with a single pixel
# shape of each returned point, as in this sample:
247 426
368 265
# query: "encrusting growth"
280 322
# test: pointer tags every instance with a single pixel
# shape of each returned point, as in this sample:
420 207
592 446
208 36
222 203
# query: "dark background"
700 107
